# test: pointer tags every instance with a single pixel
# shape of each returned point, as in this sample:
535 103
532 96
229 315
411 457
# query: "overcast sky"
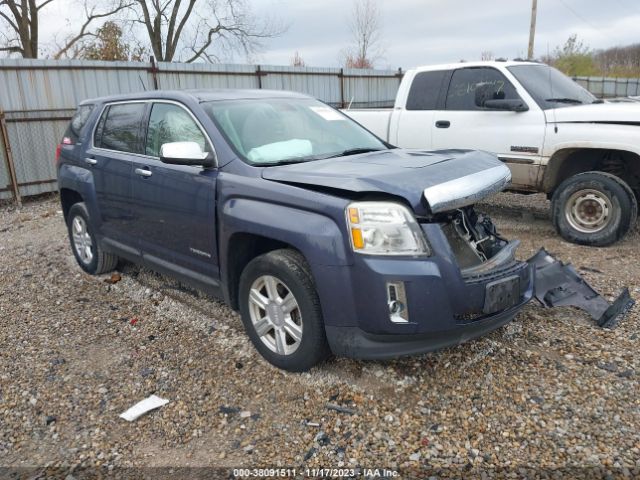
417 32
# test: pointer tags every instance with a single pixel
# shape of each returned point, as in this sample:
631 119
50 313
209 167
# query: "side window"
119 129
78 121
425 90
465 81
171 123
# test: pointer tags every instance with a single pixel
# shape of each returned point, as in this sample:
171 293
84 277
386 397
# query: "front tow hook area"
558 284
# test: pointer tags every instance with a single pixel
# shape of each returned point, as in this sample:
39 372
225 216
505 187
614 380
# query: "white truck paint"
544 143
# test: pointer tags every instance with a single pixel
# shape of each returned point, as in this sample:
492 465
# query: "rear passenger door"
117 140
174 205
414 128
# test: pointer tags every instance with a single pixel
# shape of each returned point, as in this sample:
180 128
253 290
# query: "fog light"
397 302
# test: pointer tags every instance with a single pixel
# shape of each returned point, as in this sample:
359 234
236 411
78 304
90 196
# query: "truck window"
464 81
425 90
119 128
171 123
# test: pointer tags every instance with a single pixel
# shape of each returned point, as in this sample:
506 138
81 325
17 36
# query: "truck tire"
281 311
89 255
593 208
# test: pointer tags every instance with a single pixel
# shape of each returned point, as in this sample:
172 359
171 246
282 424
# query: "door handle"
443 124
90 161
143 172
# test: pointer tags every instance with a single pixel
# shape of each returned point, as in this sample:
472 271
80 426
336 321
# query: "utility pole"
532 30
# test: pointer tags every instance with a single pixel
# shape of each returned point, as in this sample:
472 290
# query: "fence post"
8 156
259 74
341 80
154 72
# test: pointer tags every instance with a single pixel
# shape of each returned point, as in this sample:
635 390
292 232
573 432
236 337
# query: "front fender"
316 236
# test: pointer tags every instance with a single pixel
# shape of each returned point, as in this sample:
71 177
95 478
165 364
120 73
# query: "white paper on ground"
143 407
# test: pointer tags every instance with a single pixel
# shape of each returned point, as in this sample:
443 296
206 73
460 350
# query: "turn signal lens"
356 236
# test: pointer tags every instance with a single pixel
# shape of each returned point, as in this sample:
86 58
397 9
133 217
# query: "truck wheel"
91 258
281 312
593 208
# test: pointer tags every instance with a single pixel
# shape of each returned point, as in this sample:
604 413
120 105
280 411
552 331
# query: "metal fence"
38 98
608 87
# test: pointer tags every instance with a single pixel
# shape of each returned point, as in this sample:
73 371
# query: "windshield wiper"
286 161
354 151
564 100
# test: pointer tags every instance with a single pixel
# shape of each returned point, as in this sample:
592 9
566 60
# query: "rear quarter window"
119 128
425 90
78 122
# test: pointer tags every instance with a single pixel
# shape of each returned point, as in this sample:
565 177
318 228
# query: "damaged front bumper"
560 285
470 286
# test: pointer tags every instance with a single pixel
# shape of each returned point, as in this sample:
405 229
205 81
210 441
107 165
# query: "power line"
579 16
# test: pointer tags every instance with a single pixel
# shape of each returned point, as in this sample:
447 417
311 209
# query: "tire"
89 255
593 208
273 277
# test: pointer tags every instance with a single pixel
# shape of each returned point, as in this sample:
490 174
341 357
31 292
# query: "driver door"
174 205
516 137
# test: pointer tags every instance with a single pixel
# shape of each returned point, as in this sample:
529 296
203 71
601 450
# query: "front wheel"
593 208
281 311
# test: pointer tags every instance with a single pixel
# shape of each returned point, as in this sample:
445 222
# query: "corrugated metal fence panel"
371 88
179 76
52 84
322 83
34 136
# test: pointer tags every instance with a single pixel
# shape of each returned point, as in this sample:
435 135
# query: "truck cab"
554 136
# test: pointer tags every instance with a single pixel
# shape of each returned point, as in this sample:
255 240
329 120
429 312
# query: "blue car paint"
210 206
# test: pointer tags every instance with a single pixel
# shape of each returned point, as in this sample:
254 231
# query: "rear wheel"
281 311
89 255
594 208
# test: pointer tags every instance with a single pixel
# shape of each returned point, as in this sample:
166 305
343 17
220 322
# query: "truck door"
516 137
414 124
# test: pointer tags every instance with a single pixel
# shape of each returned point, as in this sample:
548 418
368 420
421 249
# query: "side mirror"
186 153
513 105
487 97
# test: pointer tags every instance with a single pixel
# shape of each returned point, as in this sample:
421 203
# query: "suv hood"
430 182
622 113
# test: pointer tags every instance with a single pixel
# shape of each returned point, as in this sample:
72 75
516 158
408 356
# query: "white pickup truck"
555 136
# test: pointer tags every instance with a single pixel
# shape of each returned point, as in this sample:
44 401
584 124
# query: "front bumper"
444 307
356 343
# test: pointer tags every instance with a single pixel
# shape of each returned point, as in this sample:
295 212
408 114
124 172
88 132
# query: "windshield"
286 130
551 88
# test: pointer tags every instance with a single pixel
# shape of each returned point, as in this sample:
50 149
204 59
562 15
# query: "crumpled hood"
431 182
597 112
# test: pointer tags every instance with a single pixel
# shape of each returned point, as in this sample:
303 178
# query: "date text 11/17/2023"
315 472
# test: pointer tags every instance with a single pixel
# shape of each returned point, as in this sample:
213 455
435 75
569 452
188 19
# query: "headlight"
384 228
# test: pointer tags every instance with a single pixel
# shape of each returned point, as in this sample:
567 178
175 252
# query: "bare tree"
91 15
201 29
366 31
486 55
297 60
22 19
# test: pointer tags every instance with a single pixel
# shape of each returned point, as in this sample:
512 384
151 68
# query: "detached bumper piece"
558 284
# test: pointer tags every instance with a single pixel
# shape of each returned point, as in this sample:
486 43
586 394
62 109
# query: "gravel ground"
550 394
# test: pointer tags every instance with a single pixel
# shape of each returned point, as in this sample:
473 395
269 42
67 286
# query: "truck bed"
376 120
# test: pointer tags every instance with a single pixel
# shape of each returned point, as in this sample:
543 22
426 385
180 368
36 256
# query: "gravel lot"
548 395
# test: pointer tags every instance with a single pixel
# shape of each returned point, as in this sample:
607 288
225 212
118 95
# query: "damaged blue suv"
324 237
